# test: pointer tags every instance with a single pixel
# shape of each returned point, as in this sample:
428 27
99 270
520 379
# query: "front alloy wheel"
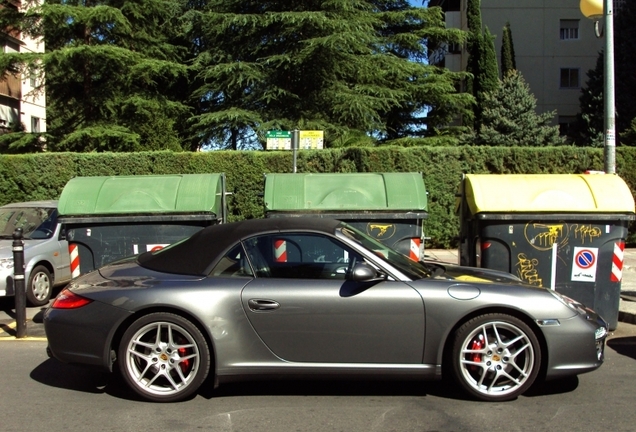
39 287
496 357
164 357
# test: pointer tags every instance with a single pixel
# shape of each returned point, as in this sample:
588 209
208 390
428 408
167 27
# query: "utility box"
559 231
109 218
390 207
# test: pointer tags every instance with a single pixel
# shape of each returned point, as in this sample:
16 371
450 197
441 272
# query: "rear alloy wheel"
164 357
496 357
38 290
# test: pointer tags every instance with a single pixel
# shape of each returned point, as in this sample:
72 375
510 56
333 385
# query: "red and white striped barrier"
414 253
617 262
75 262
280 250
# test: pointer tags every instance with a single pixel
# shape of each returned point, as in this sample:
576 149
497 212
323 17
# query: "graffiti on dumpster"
381 231
586 233
542 236
527 270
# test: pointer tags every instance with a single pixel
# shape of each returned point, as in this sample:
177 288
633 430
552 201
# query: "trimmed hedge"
43 176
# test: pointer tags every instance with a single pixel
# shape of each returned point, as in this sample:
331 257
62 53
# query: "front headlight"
6 263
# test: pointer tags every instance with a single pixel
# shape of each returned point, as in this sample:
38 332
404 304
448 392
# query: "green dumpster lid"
350 192
144 194
541 193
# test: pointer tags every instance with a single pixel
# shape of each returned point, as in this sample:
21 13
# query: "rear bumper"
83 335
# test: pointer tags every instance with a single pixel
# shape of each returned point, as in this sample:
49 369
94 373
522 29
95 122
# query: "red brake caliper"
477 344
185 364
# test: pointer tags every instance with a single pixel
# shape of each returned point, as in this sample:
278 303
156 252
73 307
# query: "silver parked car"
46 255
311 297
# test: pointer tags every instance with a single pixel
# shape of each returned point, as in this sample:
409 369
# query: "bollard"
18 283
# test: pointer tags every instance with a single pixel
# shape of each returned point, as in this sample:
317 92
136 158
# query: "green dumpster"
564 232
109 218
390 207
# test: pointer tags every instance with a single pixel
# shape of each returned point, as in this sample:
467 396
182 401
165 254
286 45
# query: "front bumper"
576 345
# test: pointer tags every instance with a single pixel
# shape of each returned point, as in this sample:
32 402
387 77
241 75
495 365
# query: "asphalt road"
44 394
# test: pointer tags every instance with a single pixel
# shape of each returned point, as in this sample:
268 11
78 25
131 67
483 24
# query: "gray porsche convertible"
312 297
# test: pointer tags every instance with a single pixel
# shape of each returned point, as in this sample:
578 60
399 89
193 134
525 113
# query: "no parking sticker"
584 264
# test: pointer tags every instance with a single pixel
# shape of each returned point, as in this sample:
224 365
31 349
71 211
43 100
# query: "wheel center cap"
163 357
496 358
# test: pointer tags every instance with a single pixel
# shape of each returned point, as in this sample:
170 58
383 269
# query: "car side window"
233 264
300 256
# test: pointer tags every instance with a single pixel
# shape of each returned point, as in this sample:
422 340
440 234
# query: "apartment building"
555 46
22 97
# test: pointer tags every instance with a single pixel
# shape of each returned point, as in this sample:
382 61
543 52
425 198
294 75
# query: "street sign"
311 140
279 140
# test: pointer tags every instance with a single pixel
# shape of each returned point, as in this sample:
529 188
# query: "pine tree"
588 128
114 78
508 62
509 117
338 66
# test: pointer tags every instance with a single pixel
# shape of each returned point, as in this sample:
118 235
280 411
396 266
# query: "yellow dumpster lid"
540 193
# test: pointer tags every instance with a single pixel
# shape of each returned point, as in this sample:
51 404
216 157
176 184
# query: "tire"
39 287
163 357
495 357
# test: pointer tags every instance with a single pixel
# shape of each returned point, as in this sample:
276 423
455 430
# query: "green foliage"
625 64
345 65
588 128
508 61
43 176
114 73
475 40
509 117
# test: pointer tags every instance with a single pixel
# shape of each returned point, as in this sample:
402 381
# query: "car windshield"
36 222
413 269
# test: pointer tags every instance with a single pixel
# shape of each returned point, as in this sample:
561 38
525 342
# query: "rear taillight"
69 300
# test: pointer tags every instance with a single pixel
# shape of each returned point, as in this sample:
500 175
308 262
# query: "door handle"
259 305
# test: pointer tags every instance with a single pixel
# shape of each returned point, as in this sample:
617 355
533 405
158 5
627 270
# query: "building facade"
555 46
22 95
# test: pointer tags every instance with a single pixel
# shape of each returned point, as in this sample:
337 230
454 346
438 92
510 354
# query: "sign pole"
295 145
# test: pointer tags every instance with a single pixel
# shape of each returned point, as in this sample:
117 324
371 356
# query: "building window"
32 77
569 29
35 124
569 78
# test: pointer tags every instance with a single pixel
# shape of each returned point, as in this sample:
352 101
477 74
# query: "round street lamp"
597 10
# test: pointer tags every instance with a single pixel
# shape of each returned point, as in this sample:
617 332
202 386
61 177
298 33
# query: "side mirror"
363 272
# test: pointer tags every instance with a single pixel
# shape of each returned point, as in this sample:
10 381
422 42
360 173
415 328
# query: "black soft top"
195 255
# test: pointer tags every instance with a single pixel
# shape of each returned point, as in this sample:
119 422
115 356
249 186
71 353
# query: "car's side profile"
46 256
313 297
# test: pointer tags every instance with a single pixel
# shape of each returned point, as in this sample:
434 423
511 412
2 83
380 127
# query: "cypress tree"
587 130
625 64
474 44
508 62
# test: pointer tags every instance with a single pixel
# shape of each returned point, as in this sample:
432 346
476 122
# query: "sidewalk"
627 306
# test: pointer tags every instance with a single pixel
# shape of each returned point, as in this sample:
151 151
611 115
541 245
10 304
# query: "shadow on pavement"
624 345
89 380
